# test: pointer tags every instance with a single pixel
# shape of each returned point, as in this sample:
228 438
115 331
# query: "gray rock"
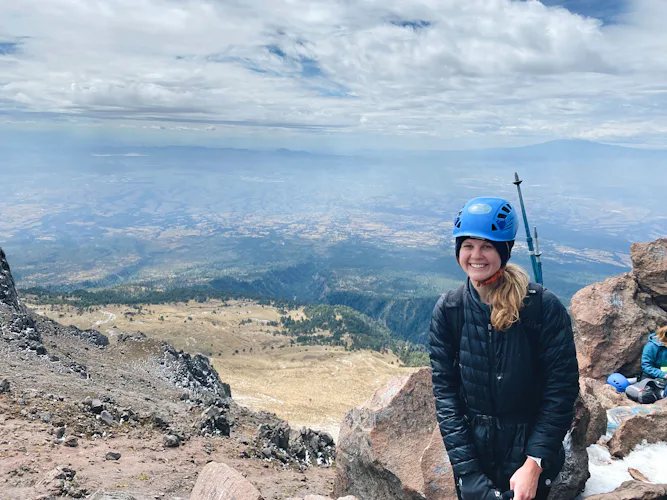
106 417
45 417
60 432
171 441
71 441
112 455
4 386
96 406
103 495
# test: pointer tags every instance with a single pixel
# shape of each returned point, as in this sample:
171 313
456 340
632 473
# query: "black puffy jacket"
503 400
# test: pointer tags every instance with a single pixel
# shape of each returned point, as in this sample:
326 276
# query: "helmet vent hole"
506 209
502 216
493 227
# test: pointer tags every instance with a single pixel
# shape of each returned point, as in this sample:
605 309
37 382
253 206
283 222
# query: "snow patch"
608 473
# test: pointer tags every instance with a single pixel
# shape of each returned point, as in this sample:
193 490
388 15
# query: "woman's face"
479 259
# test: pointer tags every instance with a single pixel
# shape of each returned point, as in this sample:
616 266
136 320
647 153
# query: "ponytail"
506 297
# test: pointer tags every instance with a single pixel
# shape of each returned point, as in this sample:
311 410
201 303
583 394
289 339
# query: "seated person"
654 356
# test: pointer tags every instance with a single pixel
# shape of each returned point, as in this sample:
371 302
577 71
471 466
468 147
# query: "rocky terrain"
80 415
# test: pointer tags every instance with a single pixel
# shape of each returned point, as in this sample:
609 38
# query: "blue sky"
334 74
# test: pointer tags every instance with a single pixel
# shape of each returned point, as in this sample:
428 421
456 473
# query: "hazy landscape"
308 385
371 232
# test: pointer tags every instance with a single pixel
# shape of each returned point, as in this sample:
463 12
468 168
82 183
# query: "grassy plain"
306 385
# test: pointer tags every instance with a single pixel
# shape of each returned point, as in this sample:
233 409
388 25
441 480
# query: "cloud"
442 69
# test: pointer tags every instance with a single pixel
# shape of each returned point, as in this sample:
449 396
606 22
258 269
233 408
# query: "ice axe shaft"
534 259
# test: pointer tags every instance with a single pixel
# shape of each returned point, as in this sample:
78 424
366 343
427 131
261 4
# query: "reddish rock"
612 321
390 449
320 497
218 481
595 422
649 261
606 395
652 428
634 490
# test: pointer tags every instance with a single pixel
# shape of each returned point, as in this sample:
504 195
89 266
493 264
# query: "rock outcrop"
305 447
649 261
194 373
218 481
575 473
634 490
596 424
612 321
652 428
390 447
16 325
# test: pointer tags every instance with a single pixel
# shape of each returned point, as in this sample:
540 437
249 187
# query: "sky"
335 75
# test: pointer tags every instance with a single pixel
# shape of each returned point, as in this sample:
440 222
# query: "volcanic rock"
596 424
112 455
4 386
389 449
652 428
320 497
194 373
18 328
71 441
634 490
612 321
112 495
106 417
649 262
218 481
575 473
171 441
96 406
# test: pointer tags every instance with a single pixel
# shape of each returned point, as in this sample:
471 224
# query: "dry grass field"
306 385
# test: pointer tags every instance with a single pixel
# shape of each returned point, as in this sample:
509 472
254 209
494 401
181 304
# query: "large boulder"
649 262
605 394
17 327
634 490
612 321
596 426
652 428
389 448
218 481
575 473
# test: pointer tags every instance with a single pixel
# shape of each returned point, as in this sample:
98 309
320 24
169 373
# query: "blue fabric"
654 357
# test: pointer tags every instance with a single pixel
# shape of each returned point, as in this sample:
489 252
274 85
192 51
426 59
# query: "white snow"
607 474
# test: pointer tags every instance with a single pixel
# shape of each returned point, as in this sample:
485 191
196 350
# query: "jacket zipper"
492 367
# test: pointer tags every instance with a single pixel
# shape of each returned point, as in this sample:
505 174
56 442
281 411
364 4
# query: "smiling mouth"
478 266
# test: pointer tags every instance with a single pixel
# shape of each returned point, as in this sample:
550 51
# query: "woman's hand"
525 479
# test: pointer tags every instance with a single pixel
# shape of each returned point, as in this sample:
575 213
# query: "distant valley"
370 232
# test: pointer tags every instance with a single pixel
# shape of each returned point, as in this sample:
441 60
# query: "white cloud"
431 68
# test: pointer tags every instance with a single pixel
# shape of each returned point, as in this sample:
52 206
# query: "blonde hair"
506 297
661 335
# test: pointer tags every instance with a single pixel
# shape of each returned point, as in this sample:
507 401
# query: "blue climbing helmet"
618 381
492 219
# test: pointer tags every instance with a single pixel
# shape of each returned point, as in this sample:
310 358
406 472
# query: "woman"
504 385
654 355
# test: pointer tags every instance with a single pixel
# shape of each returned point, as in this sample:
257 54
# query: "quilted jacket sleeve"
446 382
559 372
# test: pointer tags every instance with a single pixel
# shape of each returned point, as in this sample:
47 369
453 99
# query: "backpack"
530 317
645 391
